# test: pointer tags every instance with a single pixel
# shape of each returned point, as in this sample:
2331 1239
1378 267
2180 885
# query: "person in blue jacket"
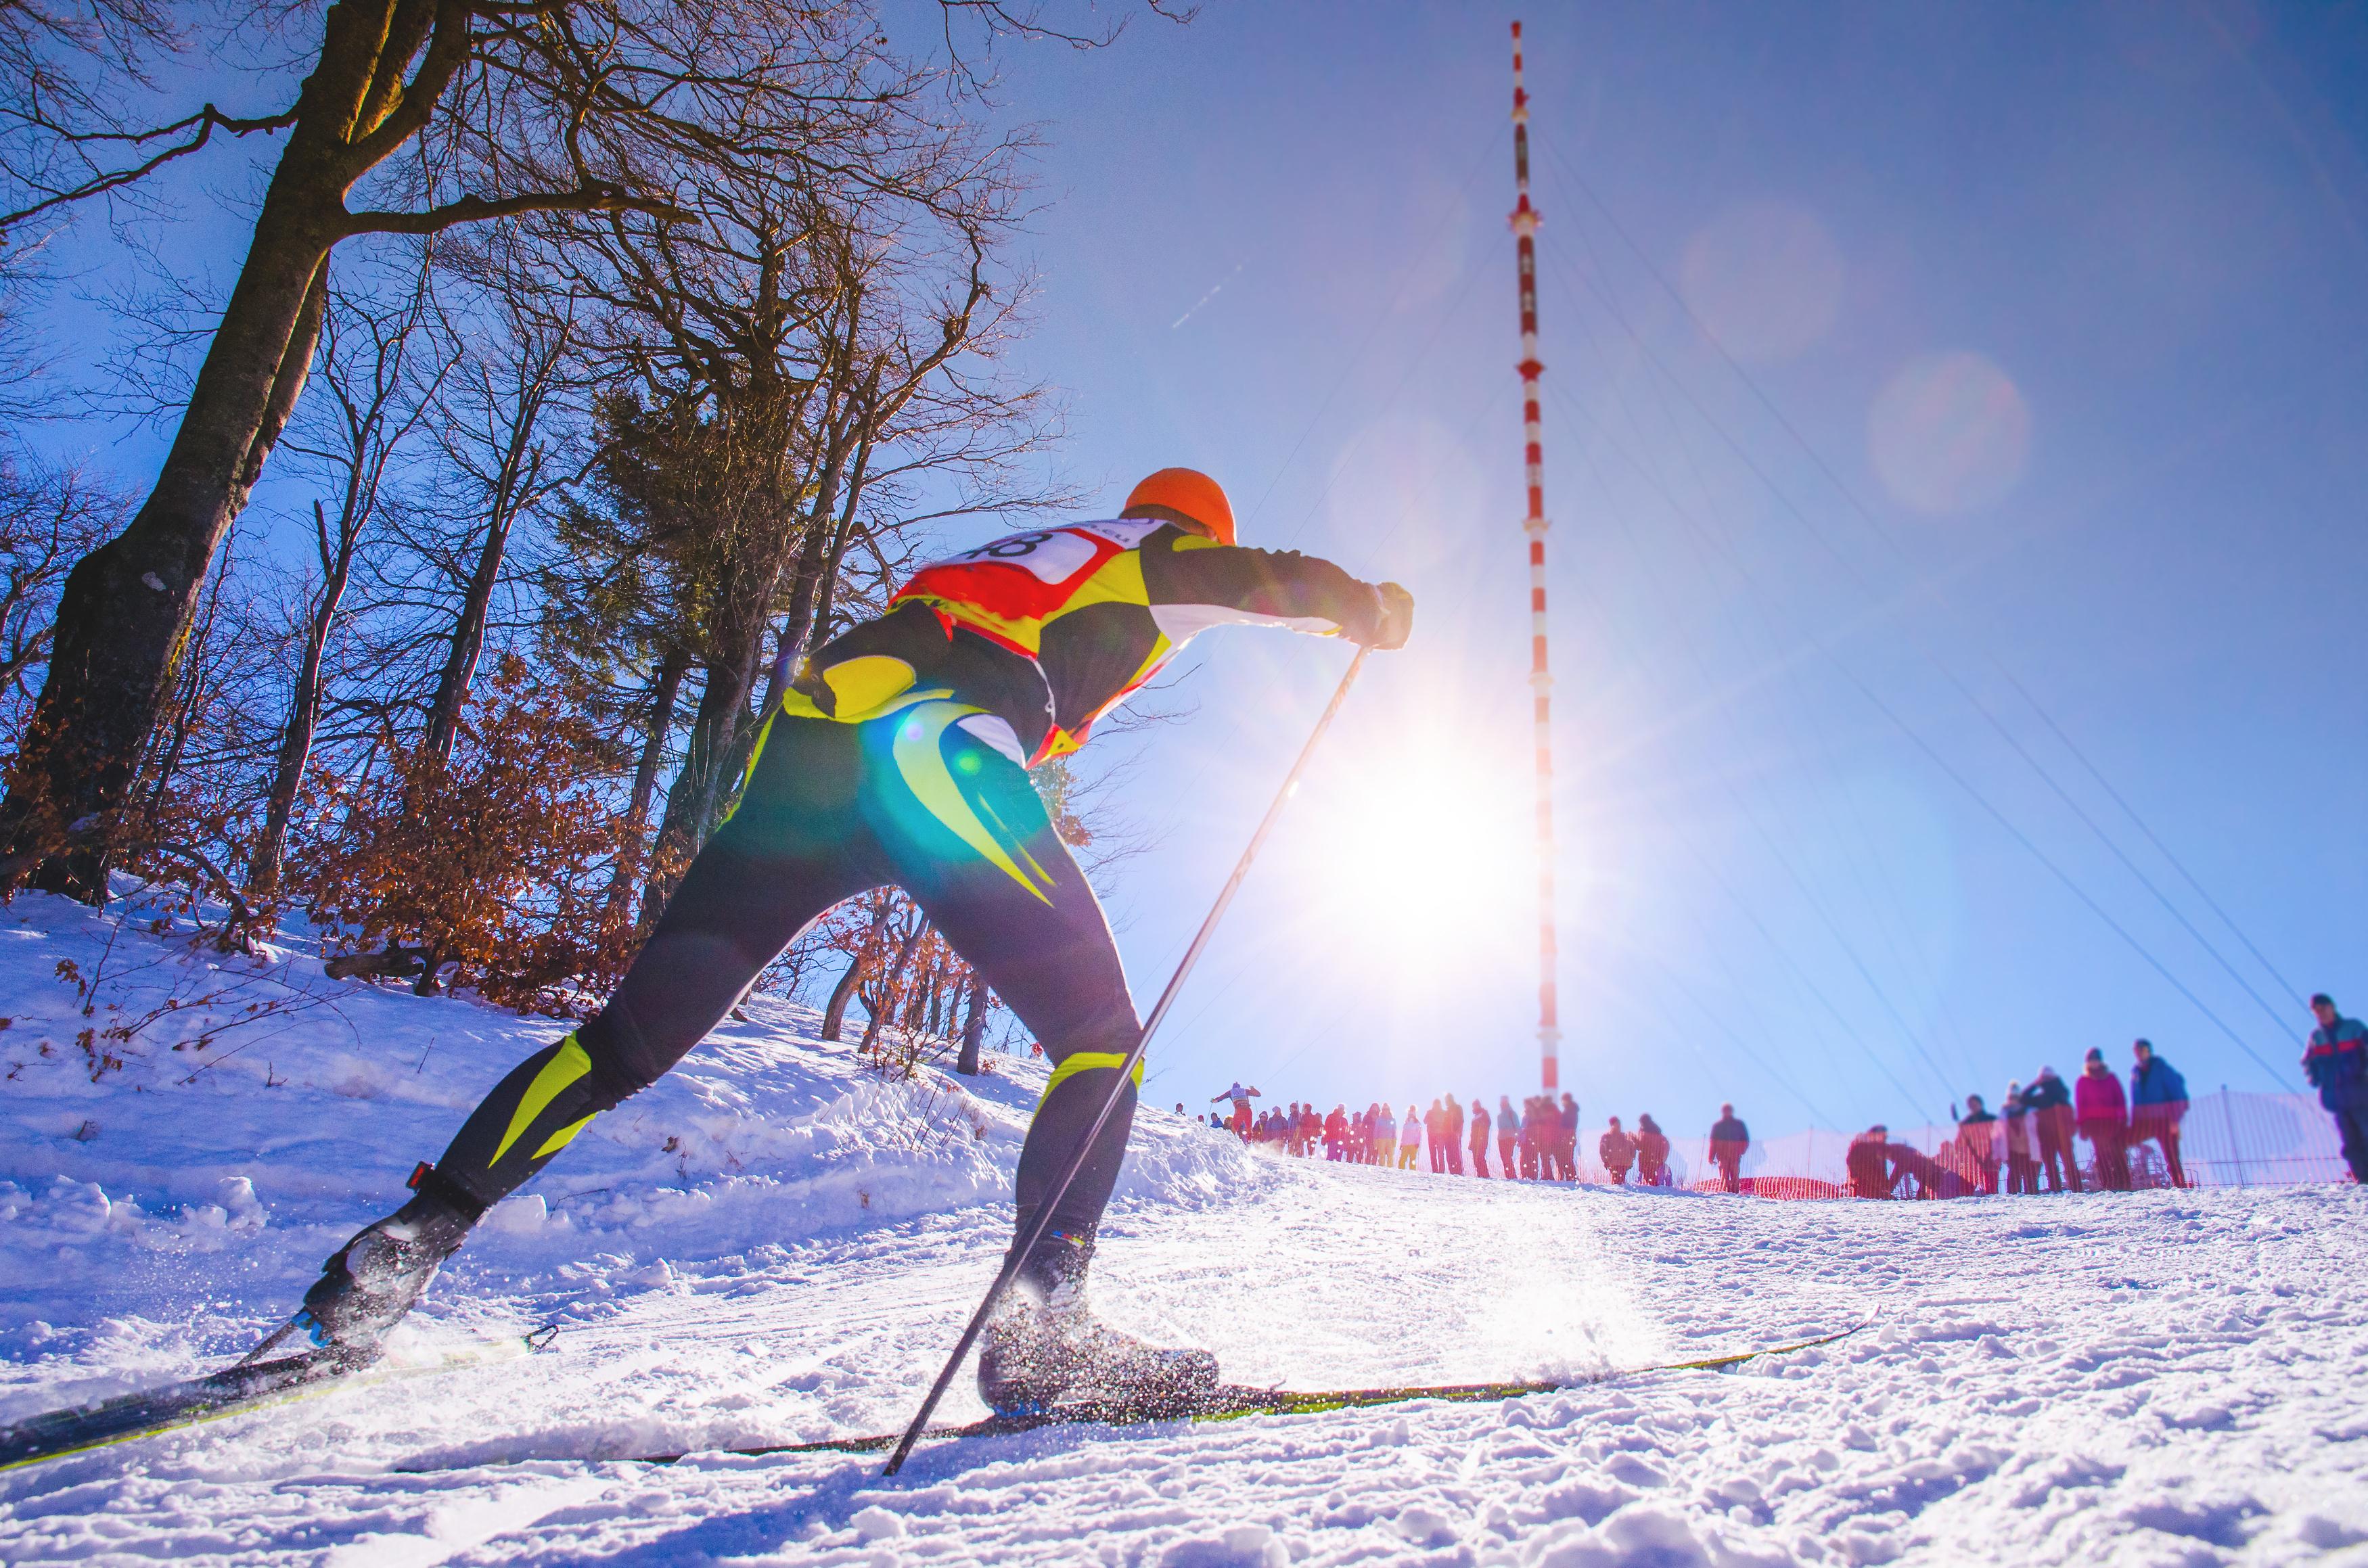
2158 1105
2337 1067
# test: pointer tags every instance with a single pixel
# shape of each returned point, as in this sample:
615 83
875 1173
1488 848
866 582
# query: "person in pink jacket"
2103 1113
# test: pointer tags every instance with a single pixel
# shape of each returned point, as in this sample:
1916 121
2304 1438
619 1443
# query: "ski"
234 1391
1232 1402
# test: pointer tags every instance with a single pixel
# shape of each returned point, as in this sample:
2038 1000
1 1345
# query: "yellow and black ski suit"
901 754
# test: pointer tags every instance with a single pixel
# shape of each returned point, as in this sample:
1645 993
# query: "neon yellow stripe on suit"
1087 1062
569 1064
921 758
561 1138
796 704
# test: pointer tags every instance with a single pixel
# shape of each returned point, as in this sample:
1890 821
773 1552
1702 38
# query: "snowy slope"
2148 1378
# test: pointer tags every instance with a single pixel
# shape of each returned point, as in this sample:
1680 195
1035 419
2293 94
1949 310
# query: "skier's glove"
1395 621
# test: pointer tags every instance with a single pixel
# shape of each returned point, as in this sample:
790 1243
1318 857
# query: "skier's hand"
1395 623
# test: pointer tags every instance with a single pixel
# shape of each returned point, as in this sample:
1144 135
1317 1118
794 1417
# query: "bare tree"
503 460
369 365
49 515
497 109
771 347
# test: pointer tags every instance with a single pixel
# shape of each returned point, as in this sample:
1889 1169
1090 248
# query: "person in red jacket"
2102 1113
1869 1163
1617 1151
898 754
1652 1152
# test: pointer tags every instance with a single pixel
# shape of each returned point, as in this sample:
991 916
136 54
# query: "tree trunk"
469 626
691 800
183 706
666 689
296 740
126 612
896 978
834 1017
817 570
973 1027
124 619
468 641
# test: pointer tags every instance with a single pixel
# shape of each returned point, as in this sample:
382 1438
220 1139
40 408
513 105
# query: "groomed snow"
2156 1378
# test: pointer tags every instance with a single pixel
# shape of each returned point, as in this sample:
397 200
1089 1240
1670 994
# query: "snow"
773 1246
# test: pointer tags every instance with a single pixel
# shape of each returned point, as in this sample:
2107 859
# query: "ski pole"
1043 1217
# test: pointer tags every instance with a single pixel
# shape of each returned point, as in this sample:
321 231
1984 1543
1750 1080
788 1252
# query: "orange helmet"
1183 492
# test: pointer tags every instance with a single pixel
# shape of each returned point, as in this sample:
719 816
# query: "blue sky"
2031 421
2056 314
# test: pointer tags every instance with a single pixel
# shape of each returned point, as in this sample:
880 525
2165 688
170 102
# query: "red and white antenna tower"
1525 229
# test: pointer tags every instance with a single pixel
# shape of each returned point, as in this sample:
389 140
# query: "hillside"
774 1246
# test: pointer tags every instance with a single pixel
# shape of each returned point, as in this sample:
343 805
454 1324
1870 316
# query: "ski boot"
1044 1348
369 1283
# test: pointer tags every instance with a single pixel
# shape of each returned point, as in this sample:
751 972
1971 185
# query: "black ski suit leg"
792 847
970 839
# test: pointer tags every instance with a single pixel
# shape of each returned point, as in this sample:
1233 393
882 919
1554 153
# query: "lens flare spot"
1948 433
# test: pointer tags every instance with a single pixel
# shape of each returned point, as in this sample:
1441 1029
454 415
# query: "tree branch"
207 120
447 50
476 208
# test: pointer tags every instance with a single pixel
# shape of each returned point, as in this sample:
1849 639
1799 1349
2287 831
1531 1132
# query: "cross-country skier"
900 755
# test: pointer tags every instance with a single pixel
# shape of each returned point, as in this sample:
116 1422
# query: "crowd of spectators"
2029 1145
1536 1141
2030 1141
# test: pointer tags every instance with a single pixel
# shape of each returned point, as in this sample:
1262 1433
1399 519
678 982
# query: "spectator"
2158 1105
1869 1163
1618 1152
1451 1122
1479 1137
1434 1135
2337 1067
2050 1110
2104 1116
1179 1107
1728 1139
1652 1152
1409 1140
1978 1137
1509 1135
1360 1137
1385 1138
1932 1178
2021 1169
1567 1137
1532 1133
